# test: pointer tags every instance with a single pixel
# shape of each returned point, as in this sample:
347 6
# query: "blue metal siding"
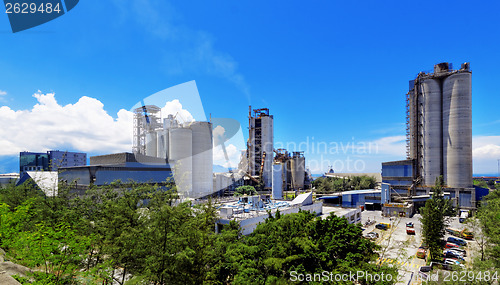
398 182
465 199
481 192
397 170
108 176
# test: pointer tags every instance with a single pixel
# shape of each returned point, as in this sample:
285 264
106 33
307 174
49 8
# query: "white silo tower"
432 130
457 130
202 158
439 124
180 152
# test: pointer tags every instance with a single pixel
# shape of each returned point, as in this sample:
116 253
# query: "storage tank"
202 158
180 151
432 130
151 142
298 164
277 189
457 130
162 144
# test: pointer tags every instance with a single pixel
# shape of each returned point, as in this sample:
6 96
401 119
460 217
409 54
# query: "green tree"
489 217
245 190
302 243
434 219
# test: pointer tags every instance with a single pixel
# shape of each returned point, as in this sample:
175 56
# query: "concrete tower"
439 125
260 145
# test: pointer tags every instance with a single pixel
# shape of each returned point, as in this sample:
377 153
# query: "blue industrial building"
369 199
125 167
50 160
398 173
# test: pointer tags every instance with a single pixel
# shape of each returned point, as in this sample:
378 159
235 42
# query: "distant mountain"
219 168
9 164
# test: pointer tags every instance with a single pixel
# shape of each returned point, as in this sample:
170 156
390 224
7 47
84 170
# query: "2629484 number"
462 276
32 8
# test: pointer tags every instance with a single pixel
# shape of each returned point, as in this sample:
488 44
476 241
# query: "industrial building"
369 199
260 145
439 125
289 172
186 146
439 137
50 160
8 178
249 211
105 169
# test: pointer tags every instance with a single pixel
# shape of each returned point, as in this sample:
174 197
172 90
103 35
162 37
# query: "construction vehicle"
462 234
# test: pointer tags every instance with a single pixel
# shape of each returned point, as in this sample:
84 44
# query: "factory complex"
167 148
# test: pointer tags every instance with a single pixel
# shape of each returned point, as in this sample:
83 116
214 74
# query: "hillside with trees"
326 185
130 233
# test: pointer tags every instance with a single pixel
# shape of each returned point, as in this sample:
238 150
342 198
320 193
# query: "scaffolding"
147 118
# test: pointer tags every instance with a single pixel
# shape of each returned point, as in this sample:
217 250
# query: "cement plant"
168 148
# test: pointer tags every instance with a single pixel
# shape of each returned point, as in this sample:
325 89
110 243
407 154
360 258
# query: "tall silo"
457 130
202 158
268 148
432 130
298 168
151 143
180 151
162 144
277 189
260 141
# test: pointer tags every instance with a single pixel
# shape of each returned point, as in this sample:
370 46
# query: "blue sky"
329 71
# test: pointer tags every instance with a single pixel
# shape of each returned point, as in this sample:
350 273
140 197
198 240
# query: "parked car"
381 227
425 268
372 235
457 241
421 252
463 252
453 262
452 254
410 231
387 225
451 245
409 225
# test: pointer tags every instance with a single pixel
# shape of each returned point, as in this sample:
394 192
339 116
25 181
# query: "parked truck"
463 215
460 233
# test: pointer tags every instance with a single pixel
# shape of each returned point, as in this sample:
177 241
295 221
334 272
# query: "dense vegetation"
487 184
434 219
144 231
245 190
484 266
325 185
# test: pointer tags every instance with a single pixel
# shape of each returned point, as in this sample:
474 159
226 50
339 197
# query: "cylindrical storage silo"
298 165
162 144
277 189
151 144
432 130
457 130
180 151
267 147
287 173
202 159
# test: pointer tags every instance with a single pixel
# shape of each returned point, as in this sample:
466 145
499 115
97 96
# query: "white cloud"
174 108
3 93
486 152
218 135
232 152
393 145
83 126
